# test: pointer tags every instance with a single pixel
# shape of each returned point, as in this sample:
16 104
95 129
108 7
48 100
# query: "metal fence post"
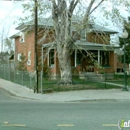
14 76
9 72
4 70
41 83
22 77
30 83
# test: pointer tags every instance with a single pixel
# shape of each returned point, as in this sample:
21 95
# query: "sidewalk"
82 95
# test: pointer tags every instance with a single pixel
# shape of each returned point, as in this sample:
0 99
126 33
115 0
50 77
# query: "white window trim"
29 58
99 57
18 56
29 55
29 62
77 51
22 37
76 58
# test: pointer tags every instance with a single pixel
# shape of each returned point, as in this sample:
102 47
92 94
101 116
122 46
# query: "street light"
124 36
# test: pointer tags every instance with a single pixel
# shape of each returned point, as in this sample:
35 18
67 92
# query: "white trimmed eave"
15 35
92 46
49 45
83 45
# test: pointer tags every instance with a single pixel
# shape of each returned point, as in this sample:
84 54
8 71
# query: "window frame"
51 61
18 56
22 37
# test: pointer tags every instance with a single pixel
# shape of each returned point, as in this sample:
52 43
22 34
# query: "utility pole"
36 47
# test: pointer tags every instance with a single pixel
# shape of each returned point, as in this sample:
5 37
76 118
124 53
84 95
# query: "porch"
85 57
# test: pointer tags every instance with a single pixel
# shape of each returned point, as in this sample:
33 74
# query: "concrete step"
91 76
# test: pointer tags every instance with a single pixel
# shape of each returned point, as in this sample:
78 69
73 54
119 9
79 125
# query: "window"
51 58
79 57
29 55
22 37
83 35
94 54
29 58
19 56
29 62
104 58
73 59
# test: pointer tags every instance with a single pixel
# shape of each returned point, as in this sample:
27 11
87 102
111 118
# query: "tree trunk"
61 15
62 24
65 65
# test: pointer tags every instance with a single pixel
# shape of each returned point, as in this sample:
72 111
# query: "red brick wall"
29 45
25 47
98 38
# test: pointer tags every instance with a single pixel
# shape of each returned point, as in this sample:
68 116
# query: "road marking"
5 122
110 125
18 125
66 125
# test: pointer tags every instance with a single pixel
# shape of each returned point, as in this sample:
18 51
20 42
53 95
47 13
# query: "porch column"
42 59
99 57
48 58
75 58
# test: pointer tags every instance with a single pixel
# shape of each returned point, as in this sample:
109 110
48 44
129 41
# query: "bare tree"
62 16
6 44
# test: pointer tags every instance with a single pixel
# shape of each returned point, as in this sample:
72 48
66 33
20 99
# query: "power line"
8 15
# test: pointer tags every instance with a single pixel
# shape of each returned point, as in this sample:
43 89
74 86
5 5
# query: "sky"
10 10
8 13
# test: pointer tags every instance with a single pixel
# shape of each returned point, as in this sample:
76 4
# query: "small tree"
6 44
4 57
125 42
21 64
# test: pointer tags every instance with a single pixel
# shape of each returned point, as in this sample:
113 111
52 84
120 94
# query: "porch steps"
91 76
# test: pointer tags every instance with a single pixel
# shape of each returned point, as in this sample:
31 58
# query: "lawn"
78 84
52 85
119 79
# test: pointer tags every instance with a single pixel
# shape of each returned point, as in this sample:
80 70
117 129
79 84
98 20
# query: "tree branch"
54 9
96 6
88 11
72 6
62 7
75 4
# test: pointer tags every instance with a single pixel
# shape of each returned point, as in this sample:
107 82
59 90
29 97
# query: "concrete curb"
69 96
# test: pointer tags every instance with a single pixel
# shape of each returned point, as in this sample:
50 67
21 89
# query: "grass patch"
50 85
82 85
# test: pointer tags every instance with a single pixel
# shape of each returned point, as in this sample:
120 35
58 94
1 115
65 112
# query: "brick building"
96 41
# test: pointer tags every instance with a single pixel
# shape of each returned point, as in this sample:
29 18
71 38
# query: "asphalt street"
22 114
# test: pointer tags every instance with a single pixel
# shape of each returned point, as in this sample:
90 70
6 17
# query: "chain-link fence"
48 83
86 80
20 77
